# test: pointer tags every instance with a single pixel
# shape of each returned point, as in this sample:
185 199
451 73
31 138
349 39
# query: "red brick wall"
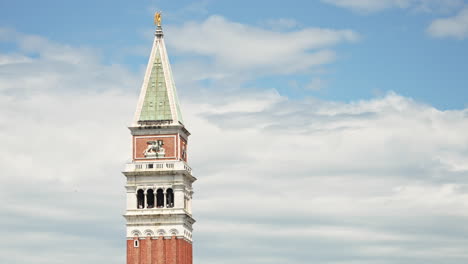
130 252
180 250
159 251
144 250
190 253
171 251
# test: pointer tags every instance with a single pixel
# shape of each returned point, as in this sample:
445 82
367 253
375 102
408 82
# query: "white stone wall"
159 221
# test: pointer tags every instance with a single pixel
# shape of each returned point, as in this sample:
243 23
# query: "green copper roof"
158 98
156 105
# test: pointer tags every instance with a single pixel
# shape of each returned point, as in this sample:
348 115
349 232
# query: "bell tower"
159 180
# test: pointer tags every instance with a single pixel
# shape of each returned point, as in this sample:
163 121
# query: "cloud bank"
280 180
222 49
372 6
454 27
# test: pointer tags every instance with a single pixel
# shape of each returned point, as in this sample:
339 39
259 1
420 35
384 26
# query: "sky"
328 131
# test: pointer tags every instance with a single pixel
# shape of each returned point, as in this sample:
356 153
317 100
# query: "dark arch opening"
170 198
140 199
159 198
150 198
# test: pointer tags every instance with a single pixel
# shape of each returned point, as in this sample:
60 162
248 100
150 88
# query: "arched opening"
169 198
140 199
150 198
159 198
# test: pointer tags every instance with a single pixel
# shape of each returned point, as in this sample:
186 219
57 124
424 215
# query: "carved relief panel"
183 149
155 147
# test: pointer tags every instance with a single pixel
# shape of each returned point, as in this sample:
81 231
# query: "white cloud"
316 84
372 6
454 27
235 46
39 63
372 168
383 177
281 23
55 101
368 5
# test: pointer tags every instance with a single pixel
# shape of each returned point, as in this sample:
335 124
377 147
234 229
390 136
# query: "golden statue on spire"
157 19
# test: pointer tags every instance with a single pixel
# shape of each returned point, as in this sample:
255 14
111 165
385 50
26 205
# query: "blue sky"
394 52
329 131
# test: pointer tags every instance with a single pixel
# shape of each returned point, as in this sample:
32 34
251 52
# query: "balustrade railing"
157 166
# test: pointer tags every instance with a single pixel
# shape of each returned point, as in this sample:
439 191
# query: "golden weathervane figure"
157 19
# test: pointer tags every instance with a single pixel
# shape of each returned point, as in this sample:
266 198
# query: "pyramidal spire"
158 102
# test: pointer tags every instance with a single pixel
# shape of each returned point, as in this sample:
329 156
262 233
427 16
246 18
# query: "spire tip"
157 21
157 18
